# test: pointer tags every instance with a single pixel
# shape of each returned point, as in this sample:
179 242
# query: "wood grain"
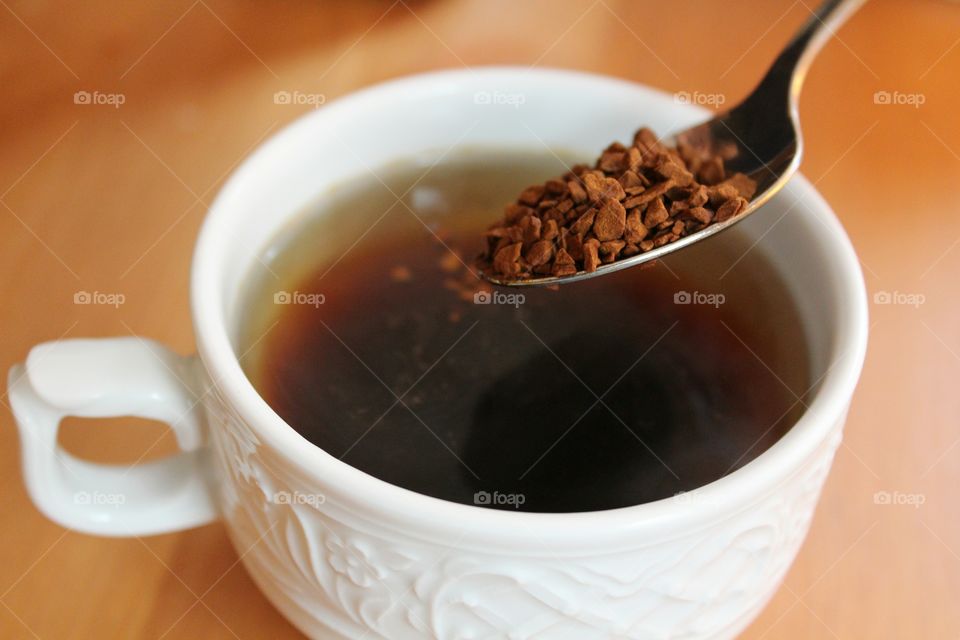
109 199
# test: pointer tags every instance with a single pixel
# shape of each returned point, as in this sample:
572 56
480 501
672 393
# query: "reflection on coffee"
369 336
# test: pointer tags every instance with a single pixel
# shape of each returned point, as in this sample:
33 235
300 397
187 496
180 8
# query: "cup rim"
776 463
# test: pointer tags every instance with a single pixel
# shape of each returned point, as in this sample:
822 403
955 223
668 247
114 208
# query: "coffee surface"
364 334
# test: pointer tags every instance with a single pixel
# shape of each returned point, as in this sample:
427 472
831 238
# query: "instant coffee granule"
632 200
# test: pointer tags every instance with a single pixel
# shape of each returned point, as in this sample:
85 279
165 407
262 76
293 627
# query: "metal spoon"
764 127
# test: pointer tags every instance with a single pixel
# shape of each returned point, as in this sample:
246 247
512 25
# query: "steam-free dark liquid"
608 393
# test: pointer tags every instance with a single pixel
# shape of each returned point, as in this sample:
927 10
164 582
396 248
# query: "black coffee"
612 392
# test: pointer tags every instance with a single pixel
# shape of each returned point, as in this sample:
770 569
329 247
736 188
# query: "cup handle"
102 378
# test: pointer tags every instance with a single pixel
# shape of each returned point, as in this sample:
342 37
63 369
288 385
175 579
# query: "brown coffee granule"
634 199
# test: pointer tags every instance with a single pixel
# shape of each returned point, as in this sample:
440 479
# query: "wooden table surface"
109 199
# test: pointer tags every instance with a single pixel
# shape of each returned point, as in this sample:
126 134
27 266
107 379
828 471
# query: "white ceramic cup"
345 555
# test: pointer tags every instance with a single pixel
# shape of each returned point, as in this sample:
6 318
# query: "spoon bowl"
763 129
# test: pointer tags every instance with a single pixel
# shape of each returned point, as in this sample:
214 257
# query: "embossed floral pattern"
334 577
